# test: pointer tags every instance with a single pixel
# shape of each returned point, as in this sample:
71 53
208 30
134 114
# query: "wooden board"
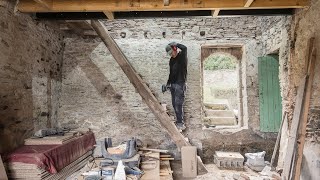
3 174
143 90
292 139
165 170
303 123
52 140
154 5
151 173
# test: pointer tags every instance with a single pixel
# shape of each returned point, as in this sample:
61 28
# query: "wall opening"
221 87
220 90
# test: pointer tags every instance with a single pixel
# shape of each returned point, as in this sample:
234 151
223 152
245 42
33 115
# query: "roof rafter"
155 5
248 3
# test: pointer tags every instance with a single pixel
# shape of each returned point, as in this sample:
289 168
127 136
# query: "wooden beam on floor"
109 15
248 3
303 123
143 90
45 3
155 5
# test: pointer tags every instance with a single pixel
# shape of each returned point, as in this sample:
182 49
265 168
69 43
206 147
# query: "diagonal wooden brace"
143 90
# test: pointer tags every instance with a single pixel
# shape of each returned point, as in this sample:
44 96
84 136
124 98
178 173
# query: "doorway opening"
220 89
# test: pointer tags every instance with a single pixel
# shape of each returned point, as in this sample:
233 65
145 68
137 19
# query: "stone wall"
97 94
306 25
30 75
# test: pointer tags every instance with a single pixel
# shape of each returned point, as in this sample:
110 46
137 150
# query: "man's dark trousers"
178 95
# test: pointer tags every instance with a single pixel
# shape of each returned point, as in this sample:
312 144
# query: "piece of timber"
156 5
3 174
303 122
292 139
143 90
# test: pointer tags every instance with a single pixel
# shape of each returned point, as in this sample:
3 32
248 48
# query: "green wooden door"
269 94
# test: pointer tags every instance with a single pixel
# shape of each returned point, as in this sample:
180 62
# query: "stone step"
216 106
219 113
219 120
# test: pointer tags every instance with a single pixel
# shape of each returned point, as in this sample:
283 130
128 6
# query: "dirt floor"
216 174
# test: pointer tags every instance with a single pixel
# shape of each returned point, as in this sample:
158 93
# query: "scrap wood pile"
52 156
127 161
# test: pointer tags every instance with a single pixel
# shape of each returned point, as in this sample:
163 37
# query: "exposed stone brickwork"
97 94
30 75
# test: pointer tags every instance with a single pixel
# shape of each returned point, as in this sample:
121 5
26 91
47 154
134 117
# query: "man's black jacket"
178 66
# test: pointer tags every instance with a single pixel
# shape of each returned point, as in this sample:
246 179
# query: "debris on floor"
127 159
229 160
255 161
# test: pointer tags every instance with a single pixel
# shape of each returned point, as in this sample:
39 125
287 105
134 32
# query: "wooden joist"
248 3
293 158
143 90
215 13
109 15
304 119
156 5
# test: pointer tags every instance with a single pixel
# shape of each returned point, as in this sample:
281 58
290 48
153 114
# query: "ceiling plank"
166 2
109 14
248 3
215 13
44 3
156 5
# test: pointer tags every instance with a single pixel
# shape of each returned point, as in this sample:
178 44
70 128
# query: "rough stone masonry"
30 75
97 94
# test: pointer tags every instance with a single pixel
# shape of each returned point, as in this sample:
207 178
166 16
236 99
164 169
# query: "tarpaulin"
53 158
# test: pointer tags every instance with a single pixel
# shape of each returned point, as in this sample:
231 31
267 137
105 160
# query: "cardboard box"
189 161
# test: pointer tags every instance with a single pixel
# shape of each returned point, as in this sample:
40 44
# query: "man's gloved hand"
164 88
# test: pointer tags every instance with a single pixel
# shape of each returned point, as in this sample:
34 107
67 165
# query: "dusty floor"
215 173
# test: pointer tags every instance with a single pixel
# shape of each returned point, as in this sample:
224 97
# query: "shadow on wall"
16 111
112 102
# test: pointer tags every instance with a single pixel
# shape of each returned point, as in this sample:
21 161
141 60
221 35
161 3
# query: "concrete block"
228 160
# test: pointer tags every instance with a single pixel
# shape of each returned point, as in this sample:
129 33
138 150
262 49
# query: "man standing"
177 79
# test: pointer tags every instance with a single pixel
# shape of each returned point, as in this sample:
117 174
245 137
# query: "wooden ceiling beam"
248 3
155 5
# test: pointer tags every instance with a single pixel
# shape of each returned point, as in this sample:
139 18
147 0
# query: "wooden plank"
3 174
215 13
109 15
45 3
291 149
156 5
303 123
143 89
154 172
248 3
165 171
276 146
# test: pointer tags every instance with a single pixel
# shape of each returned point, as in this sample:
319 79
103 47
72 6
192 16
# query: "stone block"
229 160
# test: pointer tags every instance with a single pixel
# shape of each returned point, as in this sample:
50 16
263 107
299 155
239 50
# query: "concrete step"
216 106
219 113
220 120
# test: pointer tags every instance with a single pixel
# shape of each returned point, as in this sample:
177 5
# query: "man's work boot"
181 126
